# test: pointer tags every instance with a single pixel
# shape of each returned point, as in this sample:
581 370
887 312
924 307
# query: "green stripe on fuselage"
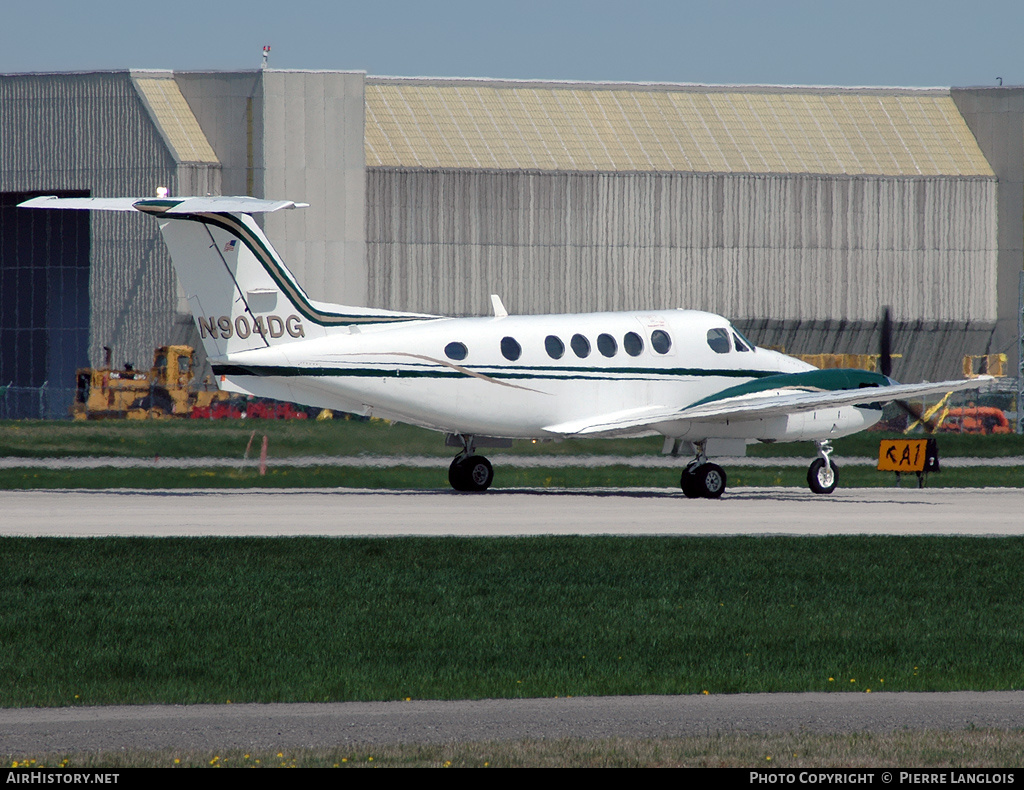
814 380
397 370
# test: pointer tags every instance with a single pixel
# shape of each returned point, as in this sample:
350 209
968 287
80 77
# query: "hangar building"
796 212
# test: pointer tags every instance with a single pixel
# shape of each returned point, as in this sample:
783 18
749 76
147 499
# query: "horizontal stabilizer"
88 204
234 205
239 204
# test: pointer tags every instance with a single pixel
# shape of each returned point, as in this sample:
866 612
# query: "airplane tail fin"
241 294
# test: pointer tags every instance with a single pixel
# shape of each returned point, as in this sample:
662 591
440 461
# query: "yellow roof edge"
528 126
173 118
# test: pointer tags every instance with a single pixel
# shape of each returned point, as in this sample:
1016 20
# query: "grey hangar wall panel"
749 246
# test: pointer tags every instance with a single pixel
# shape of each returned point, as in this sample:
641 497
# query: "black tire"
690 485
707 481
471 474
457 476
712 480
817 477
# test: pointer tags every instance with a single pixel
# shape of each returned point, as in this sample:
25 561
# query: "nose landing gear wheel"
472 473
822 479
707 481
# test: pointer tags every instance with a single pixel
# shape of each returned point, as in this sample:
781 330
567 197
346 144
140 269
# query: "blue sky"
870 42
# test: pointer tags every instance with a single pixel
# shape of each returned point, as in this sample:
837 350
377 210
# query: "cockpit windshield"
742 344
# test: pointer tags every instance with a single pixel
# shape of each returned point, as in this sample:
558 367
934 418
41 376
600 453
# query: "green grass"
103 621
229 438
506 477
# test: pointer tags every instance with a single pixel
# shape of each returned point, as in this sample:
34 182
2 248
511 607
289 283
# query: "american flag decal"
230 246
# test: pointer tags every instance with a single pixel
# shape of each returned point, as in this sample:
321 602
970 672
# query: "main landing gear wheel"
706 480
470 473
822 479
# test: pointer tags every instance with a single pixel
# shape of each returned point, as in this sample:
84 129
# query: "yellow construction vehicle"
167 390
858 361
984 365
827 361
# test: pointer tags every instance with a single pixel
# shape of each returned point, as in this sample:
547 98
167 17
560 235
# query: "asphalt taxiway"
352 513
281 726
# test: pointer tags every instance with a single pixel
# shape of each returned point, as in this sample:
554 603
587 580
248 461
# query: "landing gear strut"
469 472
823 475
701 478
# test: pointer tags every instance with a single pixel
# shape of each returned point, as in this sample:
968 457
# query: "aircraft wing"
615 422
774 403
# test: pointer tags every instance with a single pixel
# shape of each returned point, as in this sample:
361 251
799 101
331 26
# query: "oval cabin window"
456 351
606 345
554 346
660 341
633 344
510 349
580 346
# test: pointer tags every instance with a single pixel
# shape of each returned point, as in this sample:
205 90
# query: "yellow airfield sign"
908 455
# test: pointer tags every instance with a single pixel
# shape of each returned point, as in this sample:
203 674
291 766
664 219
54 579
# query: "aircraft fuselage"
515 376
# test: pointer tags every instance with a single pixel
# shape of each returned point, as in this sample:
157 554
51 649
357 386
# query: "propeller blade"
885 344
917 412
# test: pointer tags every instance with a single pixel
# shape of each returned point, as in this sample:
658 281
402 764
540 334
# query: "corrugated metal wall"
92 132
925 351
747 246
797 212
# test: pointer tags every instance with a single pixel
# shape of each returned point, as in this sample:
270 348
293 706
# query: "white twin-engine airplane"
689 376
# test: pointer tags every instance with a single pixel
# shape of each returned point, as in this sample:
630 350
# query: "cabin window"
554 346
632 344
606 345
456 351
660 341
510 349
580 346
718 339
740 345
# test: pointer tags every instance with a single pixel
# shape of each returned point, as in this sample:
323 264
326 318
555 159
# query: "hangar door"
44 306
